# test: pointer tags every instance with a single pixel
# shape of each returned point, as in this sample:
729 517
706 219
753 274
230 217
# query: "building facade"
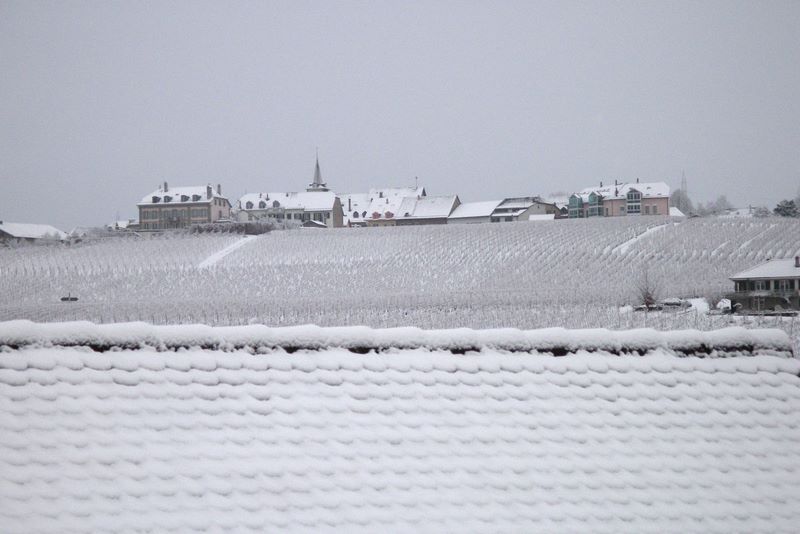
290 210
620 200
179 207
521 208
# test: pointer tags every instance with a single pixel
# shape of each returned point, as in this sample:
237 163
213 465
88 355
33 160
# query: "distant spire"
317 184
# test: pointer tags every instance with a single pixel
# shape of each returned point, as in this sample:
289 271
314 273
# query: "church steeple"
317 184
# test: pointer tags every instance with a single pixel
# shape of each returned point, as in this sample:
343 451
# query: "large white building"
316 206
178 207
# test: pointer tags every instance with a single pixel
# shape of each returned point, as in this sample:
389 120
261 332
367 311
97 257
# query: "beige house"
180 207
620 200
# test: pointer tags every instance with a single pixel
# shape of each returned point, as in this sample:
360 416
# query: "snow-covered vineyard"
136 428
516 274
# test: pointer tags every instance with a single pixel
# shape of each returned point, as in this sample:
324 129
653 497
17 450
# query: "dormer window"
262 205
276 204
195 198
248 205
156 200
363 213
184 198
355 215
167 198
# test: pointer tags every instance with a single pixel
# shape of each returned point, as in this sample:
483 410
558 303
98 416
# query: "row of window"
767 285
194 213
600 211
317 216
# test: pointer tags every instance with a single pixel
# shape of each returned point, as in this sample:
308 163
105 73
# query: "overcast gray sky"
101 101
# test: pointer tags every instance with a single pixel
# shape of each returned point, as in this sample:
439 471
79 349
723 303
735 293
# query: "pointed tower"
317 184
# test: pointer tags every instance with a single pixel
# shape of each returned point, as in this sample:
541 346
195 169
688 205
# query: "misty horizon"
100 103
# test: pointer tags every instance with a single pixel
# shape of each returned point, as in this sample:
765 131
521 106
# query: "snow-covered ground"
558 273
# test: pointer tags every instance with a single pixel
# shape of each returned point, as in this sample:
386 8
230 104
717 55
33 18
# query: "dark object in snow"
69 298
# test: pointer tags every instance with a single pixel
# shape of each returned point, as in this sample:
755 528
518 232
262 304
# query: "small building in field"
29 233
521 208
473 212
180 207
426 210
620 200
772 286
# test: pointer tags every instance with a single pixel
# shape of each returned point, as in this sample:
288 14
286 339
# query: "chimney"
797 261
219 189
166 186
637 180
601 183
209 191
349 207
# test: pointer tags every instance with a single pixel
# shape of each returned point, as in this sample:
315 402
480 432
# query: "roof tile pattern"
412 440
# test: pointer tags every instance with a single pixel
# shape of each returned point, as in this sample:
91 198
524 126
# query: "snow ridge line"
217 256
623 247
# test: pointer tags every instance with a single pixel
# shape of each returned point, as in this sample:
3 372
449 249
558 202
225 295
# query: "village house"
384 205
620 200
773 285
426 210
180 207
317 207
29 233
521 209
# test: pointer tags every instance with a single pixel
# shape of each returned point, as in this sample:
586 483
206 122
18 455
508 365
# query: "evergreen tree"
786 208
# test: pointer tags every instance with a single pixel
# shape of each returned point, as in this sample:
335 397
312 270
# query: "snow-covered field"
574 273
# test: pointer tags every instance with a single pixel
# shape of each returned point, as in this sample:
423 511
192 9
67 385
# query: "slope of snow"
217 256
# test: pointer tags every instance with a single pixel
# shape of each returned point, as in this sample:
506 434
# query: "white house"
291 209
29 233
426 210
521 208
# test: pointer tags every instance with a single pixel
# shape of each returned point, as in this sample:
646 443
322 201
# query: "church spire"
317 184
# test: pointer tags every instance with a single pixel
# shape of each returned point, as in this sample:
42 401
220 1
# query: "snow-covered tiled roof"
611 191
770 269
182 195
474 209
32 231
428 207
303 200
410 440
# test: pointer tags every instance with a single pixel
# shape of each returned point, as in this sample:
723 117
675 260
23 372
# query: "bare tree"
648 288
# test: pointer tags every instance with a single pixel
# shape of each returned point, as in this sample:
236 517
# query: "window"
634 199
655 209
276 204
156 200
184 198
262 205
167 198
622 209
195 198
248 205
784 285
355 215
761 285
647 210
606 212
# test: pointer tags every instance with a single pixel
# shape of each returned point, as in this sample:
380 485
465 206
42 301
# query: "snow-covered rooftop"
32 231
409 440
428 207
611 191
474 209
770 269
303 200
182 195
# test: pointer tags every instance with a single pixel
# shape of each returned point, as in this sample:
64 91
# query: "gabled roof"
770 269
303 200
428 207
32 231
182 195
474 209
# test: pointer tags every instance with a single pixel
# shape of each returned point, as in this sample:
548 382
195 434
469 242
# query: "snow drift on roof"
407 441
177 193
770 269
475 209
32 231
303 200
427 207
